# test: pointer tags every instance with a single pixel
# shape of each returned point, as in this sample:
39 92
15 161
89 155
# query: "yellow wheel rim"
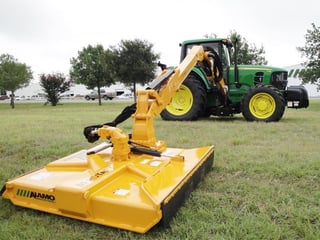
181 102
262 105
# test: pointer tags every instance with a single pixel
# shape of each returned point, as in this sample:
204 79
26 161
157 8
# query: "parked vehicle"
104 95
20 98
125 96
3 97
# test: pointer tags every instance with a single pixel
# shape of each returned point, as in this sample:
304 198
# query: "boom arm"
152 101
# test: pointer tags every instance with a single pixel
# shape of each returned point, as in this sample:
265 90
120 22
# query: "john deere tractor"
260 93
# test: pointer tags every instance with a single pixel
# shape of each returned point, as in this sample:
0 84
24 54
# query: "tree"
53 85
248 53
13 75
311 50
93 68
135 62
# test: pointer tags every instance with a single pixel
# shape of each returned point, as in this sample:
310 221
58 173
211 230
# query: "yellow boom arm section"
151 102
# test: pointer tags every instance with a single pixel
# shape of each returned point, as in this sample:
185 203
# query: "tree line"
132 62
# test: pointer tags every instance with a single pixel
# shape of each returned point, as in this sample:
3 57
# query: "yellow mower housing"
134 195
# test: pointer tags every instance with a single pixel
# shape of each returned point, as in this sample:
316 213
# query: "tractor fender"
197 72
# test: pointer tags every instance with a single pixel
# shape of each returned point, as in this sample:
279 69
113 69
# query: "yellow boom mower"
130 182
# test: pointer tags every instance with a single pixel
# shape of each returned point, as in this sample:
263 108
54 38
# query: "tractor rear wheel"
263 103
188 102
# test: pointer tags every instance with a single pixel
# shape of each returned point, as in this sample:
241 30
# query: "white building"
34 89
293 79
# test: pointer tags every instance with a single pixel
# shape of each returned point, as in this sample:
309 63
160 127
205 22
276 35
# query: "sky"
46 34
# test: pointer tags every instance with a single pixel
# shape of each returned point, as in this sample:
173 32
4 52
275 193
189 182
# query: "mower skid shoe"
134 195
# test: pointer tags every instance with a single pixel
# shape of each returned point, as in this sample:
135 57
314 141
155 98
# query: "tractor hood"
259 68
250 75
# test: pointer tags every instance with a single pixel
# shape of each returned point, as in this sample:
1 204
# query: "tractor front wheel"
188 102
263 103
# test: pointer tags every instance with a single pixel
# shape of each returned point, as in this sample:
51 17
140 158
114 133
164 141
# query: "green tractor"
260 93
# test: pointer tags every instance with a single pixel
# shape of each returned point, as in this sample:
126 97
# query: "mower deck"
134 195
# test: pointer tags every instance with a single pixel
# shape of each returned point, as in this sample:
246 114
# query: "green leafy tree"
248 53
54 85
135 62
93 68
311 50
13 75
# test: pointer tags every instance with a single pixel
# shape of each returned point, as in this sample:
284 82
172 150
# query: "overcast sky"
46 34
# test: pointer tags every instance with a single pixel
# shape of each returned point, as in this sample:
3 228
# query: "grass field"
265 181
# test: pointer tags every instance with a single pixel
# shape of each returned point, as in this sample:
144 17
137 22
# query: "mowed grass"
264 184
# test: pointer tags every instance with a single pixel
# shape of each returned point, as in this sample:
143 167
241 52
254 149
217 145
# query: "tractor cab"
221 46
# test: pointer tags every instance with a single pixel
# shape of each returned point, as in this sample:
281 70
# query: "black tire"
263 103
105 97
87 98
188 103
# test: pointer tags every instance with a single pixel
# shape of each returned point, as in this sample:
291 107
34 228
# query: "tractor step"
133 195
